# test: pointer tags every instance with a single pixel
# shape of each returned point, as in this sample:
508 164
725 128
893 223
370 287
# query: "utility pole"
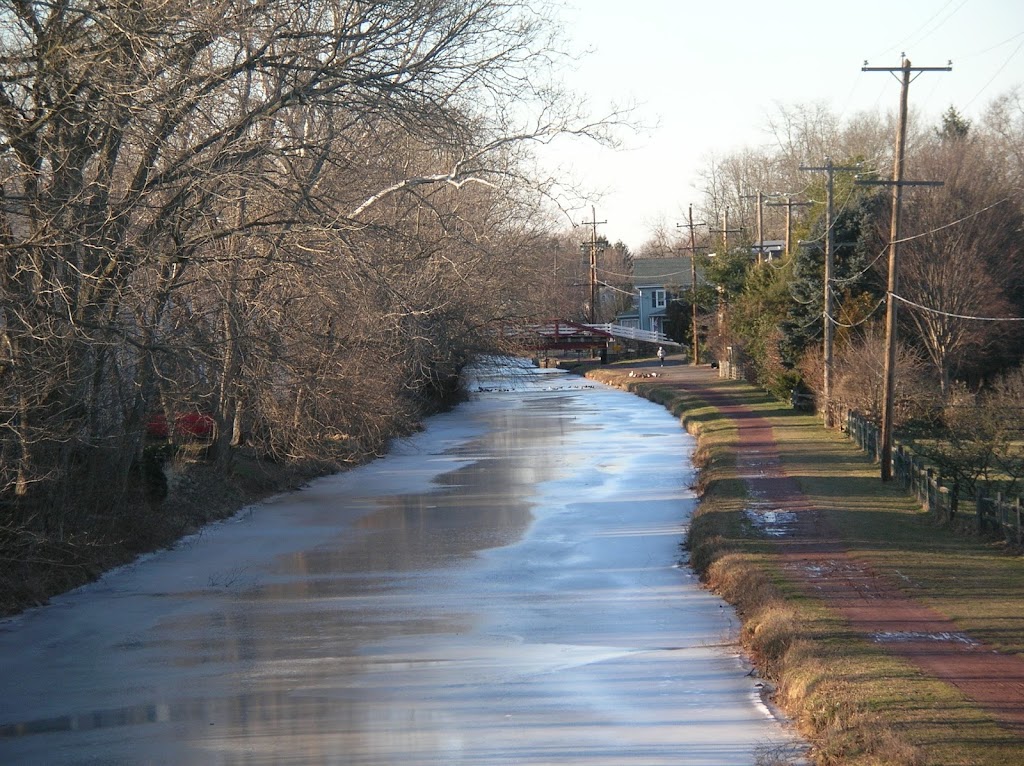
725 231
897 185
760 228
789 205
693 281
593 223
758 223
826 384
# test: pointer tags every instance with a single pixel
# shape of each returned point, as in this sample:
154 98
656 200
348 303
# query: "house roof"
770 246
659 272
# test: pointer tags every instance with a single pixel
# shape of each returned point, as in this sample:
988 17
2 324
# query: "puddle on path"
771 522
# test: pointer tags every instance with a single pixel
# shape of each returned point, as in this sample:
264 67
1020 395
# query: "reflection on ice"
503 588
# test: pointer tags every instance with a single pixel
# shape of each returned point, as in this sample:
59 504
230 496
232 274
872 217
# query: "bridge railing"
633 333
564 334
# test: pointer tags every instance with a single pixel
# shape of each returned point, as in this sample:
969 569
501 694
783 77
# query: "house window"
658 299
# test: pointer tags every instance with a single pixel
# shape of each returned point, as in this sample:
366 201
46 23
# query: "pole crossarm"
832 169
900 183
906 69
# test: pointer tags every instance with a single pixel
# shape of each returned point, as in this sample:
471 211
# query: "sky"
706 75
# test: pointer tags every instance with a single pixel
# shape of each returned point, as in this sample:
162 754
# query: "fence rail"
998 514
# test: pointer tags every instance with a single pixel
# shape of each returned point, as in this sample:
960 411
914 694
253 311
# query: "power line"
956 316
630 293
998 72
878 305
956 222
866 269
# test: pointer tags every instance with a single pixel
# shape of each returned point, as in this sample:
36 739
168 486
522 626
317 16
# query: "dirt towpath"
815 557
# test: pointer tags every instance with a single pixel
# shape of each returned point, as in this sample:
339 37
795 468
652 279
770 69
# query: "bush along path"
890 640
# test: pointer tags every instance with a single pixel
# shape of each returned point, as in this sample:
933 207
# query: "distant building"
771 249
656 281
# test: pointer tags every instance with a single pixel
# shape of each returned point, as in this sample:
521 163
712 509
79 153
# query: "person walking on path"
661 356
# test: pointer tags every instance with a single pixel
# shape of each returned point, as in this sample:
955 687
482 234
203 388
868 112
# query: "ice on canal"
504 588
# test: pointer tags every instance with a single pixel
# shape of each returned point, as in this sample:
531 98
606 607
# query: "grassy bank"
855 702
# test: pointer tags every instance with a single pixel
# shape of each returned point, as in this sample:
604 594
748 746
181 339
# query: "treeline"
960 290
292 221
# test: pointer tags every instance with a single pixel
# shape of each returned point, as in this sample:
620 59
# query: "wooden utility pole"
693 281
829 322
593 223
758 222
725 231
789 205
897 184
760 228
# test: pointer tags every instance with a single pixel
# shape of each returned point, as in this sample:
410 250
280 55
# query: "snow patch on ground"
771 522
904 636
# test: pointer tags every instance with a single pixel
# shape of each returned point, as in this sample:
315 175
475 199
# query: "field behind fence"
998 514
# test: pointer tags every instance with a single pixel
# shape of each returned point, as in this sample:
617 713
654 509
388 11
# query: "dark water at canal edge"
503 588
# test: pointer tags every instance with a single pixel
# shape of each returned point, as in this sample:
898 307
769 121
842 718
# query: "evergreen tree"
955 126
856 249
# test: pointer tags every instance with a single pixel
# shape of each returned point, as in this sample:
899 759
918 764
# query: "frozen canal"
502 589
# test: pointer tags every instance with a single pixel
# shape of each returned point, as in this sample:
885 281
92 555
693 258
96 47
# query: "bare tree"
250 210
961 256
859 379
1003 124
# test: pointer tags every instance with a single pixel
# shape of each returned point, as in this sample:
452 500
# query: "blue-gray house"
655 282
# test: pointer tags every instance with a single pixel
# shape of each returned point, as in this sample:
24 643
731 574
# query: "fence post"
1016 506
979 500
